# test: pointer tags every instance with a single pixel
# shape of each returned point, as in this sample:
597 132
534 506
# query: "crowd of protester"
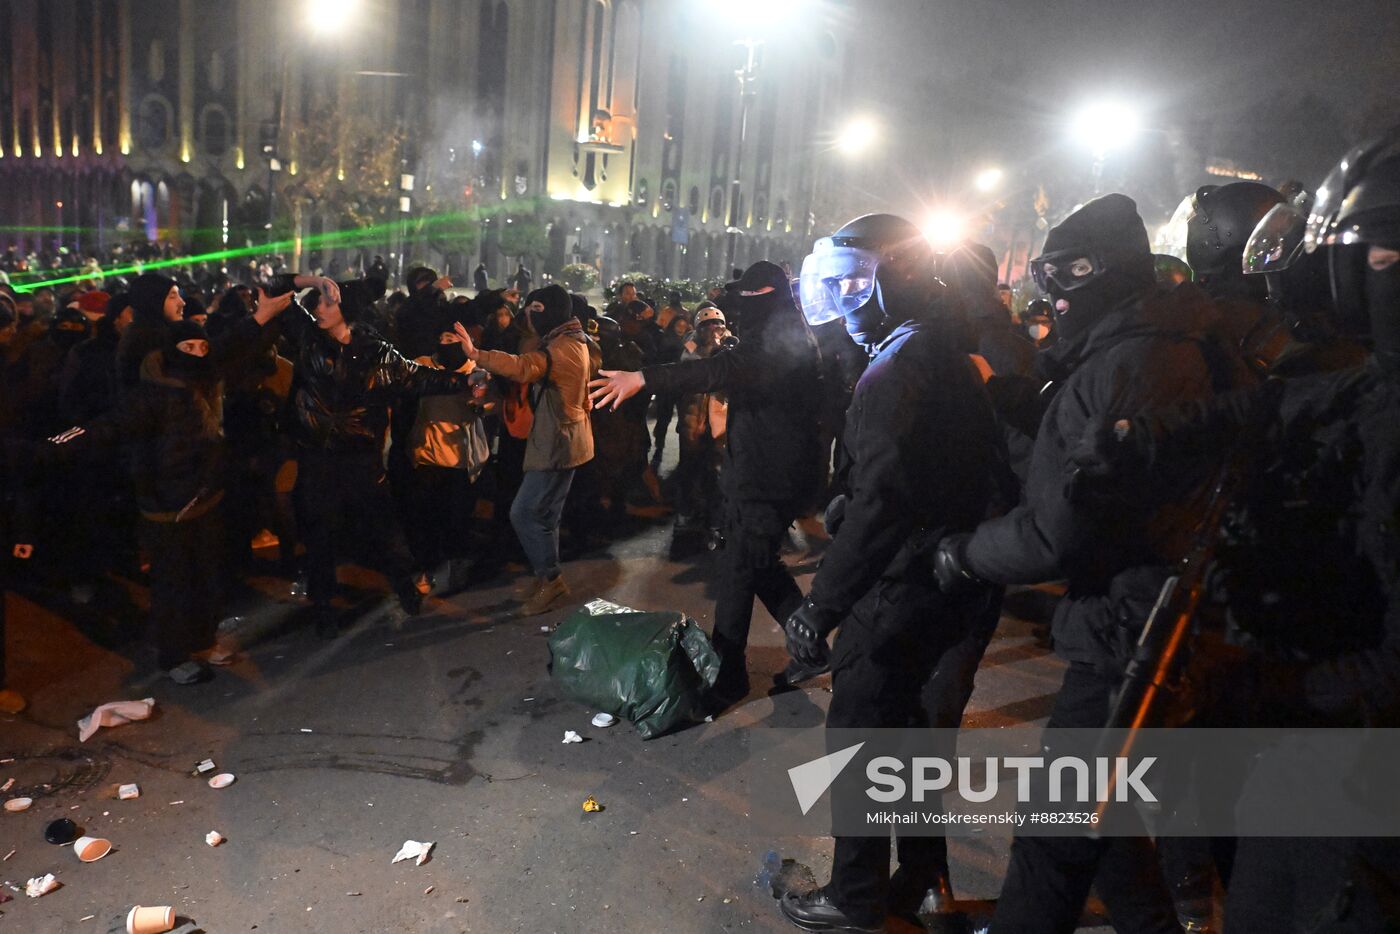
201 430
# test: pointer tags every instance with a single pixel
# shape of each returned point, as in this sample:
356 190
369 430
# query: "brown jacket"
562 435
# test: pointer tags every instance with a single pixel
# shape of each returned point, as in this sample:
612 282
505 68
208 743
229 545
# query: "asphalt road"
445 729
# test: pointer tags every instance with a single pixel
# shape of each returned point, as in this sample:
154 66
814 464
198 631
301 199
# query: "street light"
328 16
1106 126
857 136
988 179
757 15
944 228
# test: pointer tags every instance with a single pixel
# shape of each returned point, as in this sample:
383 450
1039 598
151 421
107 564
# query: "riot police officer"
771 465
1309 558
922 456
1124 347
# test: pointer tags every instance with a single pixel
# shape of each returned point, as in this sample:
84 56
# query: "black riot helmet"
1094 261
1356 222
876 272
1221 219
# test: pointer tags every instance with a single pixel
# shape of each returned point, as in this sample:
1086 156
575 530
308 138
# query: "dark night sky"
960 83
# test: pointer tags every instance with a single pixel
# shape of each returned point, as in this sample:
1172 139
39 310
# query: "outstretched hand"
465 339
614 387
269 308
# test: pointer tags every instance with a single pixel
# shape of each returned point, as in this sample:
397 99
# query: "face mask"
1039 332
451 356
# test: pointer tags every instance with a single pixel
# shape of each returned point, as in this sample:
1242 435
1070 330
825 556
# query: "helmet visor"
1067 269
835 280
1276 241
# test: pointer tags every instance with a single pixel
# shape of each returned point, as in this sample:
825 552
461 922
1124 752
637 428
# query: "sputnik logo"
810 780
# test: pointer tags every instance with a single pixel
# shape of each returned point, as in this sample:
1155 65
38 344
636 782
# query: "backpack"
518 407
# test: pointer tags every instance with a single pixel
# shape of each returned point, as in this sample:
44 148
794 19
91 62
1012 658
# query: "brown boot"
550 594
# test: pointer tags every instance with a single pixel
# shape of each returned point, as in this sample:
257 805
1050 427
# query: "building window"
153 122
213 130
668 195
643 193
693 202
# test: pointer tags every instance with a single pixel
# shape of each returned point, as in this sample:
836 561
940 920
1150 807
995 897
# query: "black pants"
1049 877
443 513
1328 885
752 568
905 657
186 584
665 411
345 488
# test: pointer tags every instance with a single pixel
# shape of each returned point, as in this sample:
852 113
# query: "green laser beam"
419 229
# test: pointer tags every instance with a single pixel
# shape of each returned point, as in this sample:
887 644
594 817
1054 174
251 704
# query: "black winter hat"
357 297
194 305
558 307
148 292
581 308
1111 227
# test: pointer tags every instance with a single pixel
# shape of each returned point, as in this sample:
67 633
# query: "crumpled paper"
115 713
571 737
591 805
40 885
414 850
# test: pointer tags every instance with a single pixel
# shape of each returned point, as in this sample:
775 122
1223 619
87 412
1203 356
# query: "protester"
561 436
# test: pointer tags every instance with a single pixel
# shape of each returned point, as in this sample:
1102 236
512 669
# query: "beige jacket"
562 435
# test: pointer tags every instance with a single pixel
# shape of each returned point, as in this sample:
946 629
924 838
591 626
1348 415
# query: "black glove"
1107 454
835 514
806 630
950 566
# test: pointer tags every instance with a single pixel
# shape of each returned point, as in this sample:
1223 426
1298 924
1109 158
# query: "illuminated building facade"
620 128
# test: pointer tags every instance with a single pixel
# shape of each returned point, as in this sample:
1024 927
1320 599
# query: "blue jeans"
535 516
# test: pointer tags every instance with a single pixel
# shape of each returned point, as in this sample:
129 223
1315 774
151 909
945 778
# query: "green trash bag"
649 668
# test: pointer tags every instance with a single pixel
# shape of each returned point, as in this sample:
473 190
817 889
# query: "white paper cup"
150 920
91 849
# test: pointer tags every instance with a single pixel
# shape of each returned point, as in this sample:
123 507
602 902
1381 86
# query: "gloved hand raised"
806 630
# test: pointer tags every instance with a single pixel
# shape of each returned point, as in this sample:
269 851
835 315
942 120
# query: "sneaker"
546 597
11 702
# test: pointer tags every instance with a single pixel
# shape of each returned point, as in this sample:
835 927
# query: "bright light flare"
857 136
328 17
988 179
1106 126
944 228
756 15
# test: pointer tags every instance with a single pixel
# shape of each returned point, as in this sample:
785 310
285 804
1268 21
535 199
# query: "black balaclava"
69 328
148 292
1383 311
558 308
757 306
183 365
194 305
451 356
1109 229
